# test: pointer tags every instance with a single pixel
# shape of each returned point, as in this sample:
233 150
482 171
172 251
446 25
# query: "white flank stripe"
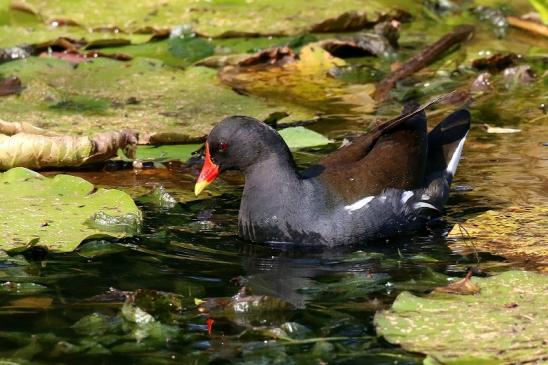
454 162
405 196
359 204
424 205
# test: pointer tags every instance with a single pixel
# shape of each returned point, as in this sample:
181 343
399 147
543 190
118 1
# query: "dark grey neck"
273 169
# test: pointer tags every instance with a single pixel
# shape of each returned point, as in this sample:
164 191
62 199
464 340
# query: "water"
318 304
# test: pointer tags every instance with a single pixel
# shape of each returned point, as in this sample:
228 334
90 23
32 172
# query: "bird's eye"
223 146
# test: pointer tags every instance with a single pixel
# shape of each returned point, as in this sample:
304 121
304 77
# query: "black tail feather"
445 144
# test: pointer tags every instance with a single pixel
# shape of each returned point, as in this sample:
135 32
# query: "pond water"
310 305
215 298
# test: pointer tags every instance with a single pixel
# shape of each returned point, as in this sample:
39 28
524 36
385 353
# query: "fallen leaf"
363 44
26 146
496 63
517 233
304 78
354 20
464 287
11 85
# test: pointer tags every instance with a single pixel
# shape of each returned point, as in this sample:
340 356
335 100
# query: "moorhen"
390 181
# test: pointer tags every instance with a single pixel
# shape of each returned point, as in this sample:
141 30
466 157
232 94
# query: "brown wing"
392 155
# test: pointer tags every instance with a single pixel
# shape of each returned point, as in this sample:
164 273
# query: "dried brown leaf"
463 287
11 85
26 146
496 63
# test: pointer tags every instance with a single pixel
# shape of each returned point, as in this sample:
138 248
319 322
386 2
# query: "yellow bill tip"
199 187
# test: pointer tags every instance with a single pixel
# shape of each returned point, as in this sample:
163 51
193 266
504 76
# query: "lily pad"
57 213
167 152
163 104
505 324
301 137
517 233
211 18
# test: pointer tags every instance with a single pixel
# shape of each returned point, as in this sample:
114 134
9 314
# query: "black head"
238 143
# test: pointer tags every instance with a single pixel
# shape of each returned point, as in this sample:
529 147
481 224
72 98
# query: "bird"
391 181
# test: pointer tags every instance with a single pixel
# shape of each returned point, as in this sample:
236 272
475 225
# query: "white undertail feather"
454 162
405 196
424 205
359 204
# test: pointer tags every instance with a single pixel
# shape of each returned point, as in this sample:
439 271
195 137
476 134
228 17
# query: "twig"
466 236
422 59
528 25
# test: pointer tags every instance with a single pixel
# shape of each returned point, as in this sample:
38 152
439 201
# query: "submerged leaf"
517 233
505 324
305 79
53 212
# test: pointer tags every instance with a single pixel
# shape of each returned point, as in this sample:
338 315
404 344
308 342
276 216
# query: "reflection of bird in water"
303 274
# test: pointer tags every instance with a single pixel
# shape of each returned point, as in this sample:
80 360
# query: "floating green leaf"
180 152
190 48
301 137
55 213
505 324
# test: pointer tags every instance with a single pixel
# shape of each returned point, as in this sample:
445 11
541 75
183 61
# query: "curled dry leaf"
496 63
26 146
464 287
382 42
353 20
